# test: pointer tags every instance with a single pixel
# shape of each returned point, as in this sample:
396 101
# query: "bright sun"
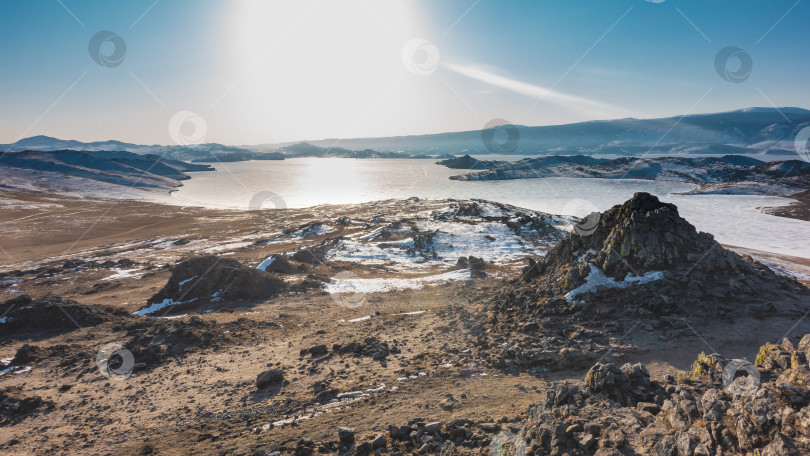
307 69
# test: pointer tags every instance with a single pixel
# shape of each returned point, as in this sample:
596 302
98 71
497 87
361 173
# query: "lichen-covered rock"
700 415
626 386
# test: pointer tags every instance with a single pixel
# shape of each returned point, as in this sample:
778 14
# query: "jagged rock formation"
640 262
644 235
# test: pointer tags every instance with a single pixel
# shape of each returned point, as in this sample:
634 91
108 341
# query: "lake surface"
304 182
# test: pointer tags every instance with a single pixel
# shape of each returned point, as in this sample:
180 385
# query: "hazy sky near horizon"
254 71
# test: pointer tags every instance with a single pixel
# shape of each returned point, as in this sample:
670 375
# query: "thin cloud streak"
592 108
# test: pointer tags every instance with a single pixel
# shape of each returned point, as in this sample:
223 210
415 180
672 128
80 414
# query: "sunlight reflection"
332 181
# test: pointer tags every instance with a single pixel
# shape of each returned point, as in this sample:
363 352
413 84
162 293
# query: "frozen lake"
304 182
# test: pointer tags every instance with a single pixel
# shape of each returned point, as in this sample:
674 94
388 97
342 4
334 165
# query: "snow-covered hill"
210 152
727 174
92 172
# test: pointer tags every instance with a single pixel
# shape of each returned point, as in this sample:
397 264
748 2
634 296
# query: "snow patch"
785 269
186 281
160 305
416 312
597 280
15 370
382 285
267 262
123 274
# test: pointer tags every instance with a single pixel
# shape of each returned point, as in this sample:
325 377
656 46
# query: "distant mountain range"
210 152
746 131
305 149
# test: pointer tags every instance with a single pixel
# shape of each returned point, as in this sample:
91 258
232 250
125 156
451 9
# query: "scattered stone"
379 442
492 428
16 405
435 426
269 377
318 350
346 435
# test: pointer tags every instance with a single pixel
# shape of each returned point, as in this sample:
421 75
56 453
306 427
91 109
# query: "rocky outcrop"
644 235
316 255
216 279
626 386
620 411
152 341
53 315
419 436
639 263
370 347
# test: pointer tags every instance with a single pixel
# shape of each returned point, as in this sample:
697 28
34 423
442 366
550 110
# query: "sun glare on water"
332 181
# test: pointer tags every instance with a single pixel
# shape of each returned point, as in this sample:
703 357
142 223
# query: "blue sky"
267 71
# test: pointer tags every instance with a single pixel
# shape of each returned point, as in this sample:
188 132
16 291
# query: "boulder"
346 435
269 378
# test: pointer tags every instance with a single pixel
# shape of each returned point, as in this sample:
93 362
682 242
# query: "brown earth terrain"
402 363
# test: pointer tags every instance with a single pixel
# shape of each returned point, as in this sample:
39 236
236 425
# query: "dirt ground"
800 209
207 402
